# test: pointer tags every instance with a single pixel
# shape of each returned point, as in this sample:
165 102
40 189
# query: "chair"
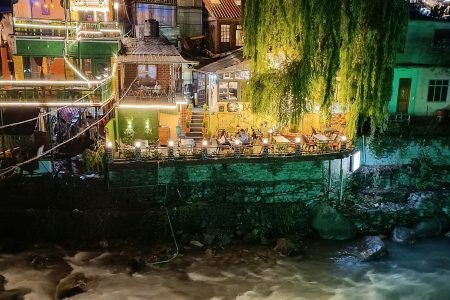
314 131
334 142
307 143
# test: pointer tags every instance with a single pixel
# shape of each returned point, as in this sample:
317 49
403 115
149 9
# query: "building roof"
235 58
150 51
223 9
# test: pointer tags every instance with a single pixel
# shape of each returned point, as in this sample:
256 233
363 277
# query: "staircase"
196 128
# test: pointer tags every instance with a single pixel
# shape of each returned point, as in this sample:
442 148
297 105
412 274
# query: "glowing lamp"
116 5
344 139
238 142
171 143
138 144
205 143
109 145
265 141
297 140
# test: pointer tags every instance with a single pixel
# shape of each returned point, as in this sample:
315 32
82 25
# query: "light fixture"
237 142
344 138
47 104
297 140
205 143
138 144
148 106
116 5
109 145
171 143
265 141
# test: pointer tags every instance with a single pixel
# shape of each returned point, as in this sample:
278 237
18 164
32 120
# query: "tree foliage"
302 52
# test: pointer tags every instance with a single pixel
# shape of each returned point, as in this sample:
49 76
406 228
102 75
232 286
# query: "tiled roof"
223 9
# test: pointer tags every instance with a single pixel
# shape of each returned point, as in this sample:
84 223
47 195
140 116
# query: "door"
404 91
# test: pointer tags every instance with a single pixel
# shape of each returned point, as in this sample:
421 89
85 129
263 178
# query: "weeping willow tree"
303 51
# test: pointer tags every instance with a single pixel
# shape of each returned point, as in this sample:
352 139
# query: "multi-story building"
422 73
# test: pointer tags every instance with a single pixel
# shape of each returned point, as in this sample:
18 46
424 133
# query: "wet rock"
252 236
197 243
74 284
224 239
136 264
429 227
416 200
39 262
287 247
332 225
208 239
403 235
370 248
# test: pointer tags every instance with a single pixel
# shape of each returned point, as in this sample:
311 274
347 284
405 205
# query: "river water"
420 271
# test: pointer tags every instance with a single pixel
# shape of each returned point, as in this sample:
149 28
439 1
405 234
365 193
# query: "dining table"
281 139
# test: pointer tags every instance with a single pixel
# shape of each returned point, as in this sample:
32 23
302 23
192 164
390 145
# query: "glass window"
239 36
437 90
147 75
224 33
228 91
164 14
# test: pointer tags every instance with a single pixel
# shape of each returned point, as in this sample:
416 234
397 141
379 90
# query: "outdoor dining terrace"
186 149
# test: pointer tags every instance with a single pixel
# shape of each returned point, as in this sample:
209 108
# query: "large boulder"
74 284
12 294
332 225
403 235
429 227
370 248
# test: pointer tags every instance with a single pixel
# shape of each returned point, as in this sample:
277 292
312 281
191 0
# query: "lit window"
239 36
147 75
225 33
437 91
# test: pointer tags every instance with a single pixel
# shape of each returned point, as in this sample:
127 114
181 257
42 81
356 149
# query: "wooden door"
404 92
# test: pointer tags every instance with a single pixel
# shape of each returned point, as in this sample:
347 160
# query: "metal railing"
59 94
75 29
193 152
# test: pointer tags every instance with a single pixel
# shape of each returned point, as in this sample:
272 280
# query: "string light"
148 106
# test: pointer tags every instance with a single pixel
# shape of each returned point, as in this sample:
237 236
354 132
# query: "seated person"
223 139
243 137
157 89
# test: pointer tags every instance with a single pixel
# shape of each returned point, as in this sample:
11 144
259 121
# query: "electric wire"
12 168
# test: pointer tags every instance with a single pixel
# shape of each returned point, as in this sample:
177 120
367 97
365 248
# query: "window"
225 33
442 38
164 14
228 91
239 36
147 75
437 91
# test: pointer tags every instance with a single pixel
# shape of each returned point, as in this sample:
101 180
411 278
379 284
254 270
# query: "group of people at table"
224 140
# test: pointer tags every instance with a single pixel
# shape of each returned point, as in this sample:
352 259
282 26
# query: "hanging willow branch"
298 48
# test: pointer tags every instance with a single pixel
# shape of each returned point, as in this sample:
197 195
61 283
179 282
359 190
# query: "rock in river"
403 235
370 248
331 225
433 226
74 284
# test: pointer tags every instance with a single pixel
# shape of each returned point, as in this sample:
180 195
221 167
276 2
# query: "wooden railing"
58 28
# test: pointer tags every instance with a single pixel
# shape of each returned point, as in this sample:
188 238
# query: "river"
420 271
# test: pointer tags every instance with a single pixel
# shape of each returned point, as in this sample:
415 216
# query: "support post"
341 189
170 151
138 153
329 179
298 147
237 149
265 148
109 152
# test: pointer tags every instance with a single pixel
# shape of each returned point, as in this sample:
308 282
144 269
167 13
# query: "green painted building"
422 72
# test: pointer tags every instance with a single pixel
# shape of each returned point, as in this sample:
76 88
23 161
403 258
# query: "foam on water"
414 272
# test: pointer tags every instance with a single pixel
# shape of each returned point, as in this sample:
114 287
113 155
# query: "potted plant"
205 110
188 126
205 128
189 109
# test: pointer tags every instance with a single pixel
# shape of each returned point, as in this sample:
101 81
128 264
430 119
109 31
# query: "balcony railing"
55 95
168 2
58 28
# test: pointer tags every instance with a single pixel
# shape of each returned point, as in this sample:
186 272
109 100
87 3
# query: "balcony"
20 95
166 2
58 28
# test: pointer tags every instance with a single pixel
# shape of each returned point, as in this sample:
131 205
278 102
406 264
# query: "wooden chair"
307 143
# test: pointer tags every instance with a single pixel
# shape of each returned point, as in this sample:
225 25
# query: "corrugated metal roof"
233 59
223 9
151 51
